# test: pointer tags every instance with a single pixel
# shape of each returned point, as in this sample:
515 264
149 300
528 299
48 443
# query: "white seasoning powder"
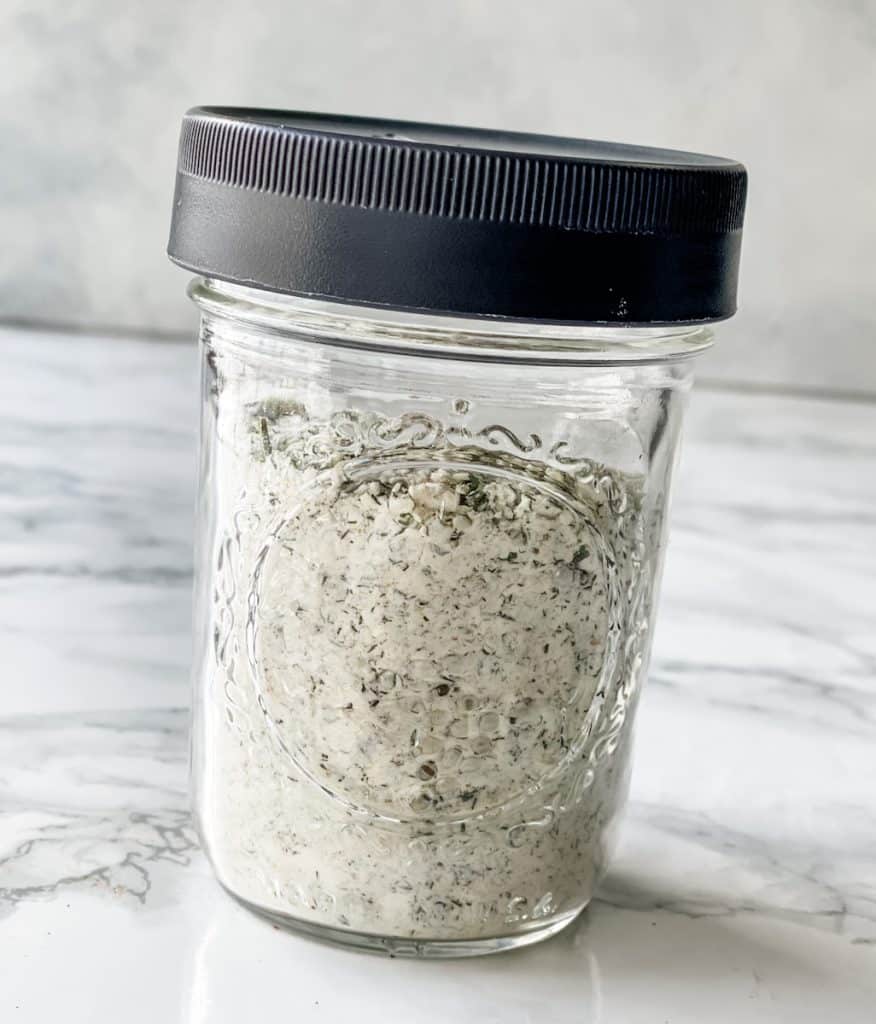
422 661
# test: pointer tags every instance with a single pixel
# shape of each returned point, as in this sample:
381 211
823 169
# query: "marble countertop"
745 886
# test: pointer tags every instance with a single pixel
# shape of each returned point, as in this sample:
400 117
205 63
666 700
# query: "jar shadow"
612 963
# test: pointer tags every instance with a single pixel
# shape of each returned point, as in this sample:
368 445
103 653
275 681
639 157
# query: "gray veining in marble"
96 503
744 889
93 93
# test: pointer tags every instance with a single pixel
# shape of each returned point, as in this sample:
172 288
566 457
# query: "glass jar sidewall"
598 440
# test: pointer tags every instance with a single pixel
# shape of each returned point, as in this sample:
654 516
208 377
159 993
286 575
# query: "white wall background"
91 93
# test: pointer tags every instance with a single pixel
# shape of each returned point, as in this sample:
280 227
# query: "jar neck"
446 335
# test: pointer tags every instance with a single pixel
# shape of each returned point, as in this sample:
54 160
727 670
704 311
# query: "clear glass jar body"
428 557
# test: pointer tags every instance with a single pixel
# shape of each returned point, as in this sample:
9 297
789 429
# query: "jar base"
423 949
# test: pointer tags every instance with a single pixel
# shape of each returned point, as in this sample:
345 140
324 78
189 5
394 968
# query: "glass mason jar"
428 555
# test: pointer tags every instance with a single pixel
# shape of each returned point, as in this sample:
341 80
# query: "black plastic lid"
457 220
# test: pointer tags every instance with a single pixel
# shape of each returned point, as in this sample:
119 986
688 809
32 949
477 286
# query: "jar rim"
449 336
